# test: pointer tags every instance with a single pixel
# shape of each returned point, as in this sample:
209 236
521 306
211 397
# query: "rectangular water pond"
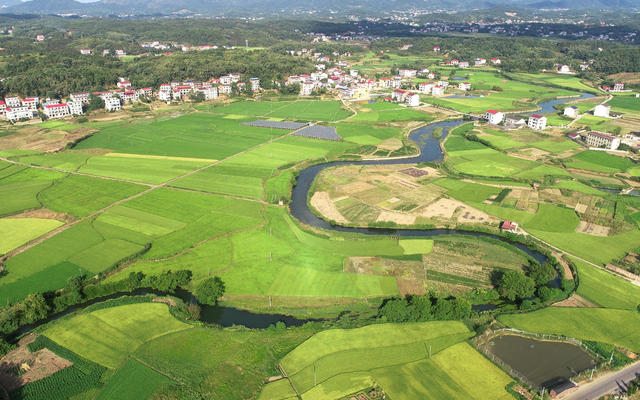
544 364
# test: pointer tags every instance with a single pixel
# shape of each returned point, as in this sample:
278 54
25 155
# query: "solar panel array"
319 132
276 124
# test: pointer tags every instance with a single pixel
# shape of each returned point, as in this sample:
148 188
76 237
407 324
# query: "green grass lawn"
550 218
20 187
417 246
578 187
599 161
617 327
133 381
108 336
606 289
307 110
15 232
625 104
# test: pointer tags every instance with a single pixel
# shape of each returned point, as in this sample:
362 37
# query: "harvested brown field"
414 172
581 208
575 301
391 144
396 217
593 229
32 366
35 138
44 213
322 202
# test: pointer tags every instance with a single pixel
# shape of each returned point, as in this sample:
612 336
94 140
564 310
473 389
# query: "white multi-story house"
307 88
426 87
407 73
40 37
431 75
225 80
399 95
164 95
496 61
537 122
464 86
75 107
31 103
354 73
480 61
85 51
124 84
129 96
413 100
3 108
494 117
13 101
618 87
225 89
564 69
82 97
436 49
602 140
444 84
602 110
112 104
106 52
145 92
60 110
210 92
16 113
255 84
571 112
464 64
437 90
120 53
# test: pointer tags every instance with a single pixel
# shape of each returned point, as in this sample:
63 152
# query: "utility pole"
591 376
246 44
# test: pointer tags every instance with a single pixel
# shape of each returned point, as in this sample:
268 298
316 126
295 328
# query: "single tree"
514 285
209 291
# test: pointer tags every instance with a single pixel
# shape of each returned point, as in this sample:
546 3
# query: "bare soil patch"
414 172
581 208
593 229
396 217
575 301
34 138
20 366
391 144
356 187
322 202
44 213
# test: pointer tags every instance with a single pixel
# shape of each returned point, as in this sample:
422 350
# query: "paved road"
612 382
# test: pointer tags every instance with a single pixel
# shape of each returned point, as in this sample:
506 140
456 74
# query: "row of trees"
424 308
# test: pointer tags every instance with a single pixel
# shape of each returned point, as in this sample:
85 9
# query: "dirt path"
150 188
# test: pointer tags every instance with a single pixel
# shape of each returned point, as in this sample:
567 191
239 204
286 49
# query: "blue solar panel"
276 124
319 132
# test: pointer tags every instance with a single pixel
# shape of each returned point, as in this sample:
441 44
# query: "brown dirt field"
581 208
391 144
356 187
37 365
397 217
33 138
567 274
446 208
410 286
414 172
322 202
593 229
552 192
533 153
44 213
575 301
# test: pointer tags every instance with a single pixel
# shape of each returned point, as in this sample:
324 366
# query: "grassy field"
341 362
553 219
292 110
599 161
222 363
617 327
15 232
605 288
20 187
196 135
625 104
132 381
109 335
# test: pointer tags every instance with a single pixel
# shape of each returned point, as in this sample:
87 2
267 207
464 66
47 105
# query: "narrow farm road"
612 382
149 189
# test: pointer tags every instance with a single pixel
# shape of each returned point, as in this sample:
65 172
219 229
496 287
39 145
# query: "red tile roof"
56 105
493 111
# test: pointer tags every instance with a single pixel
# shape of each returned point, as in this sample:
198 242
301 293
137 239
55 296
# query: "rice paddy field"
336 363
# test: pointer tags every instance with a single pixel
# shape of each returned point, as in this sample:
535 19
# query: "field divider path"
149 189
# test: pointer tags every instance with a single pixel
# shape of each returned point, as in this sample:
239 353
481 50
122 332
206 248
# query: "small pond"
542 363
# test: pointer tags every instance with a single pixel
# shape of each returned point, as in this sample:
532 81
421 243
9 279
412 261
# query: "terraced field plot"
133 381
291 110
15 232
109 335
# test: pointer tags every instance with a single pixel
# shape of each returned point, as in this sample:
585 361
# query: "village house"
106 52
399 95
509 226
602 140
436 49
464 64
431 75
307 88
3 108
384 83
537 122
13 101
494 117
129 96
85 51
396 82
75 107
225 89
120 53
407 73
210 92
255 85
82 97
515 121
112 104
164 95
145 92
437 90
413 100
571 112
423 72
31 103
464 86
354 73
496 61
444 84
602 110
564 69
480 61
618 87
455 61
124 84
56 110
14 114
426 87
40 38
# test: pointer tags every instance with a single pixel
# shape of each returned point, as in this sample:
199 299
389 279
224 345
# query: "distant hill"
272 7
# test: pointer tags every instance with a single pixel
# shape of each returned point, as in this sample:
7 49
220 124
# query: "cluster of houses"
478 62
14 108
535 121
